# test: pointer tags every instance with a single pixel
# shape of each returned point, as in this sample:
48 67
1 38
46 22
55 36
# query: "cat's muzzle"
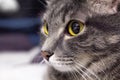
46 54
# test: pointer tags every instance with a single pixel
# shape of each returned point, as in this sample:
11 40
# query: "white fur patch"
62 66
113 39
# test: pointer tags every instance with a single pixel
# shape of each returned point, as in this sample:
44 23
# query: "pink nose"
46 54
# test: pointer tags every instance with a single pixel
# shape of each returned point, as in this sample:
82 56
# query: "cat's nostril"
46 54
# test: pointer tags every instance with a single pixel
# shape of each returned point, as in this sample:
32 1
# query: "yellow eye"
74 27
45 28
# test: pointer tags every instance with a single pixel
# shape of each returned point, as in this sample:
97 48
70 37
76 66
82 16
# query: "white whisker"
77 70
42 2
78 67
101 62
98 67
42 62
88 71
74 75
100 59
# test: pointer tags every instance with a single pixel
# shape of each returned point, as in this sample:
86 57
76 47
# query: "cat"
81 40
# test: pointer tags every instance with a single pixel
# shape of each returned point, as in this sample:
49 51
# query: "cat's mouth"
62 63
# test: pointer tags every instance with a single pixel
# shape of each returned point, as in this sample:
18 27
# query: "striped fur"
92 55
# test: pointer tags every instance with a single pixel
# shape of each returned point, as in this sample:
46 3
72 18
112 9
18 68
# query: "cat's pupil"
47 27
75 27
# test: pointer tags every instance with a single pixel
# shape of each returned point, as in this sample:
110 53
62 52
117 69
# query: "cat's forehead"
60 9
61 13
61 18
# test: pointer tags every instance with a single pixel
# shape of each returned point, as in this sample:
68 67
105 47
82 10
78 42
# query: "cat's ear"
49 2
104 6
115 4
118 5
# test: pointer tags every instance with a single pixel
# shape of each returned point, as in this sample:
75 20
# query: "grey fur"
92 55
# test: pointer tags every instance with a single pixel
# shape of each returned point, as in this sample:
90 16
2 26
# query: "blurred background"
20 22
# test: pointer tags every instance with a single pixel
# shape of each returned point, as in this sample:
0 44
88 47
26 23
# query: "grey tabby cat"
82 40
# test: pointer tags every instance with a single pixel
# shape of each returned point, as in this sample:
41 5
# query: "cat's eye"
74 27
45 28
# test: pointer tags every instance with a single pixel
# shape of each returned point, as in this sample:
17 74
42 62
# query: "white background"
17 66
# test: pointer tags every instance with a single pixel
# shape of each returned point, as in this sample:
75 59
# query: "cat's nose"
46 54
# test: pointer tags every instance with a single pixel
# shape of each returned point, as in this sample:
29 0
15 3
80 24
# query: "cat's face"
72 38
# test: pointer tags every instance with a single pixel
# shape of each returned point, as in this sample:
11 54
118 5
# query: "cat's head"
74 37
